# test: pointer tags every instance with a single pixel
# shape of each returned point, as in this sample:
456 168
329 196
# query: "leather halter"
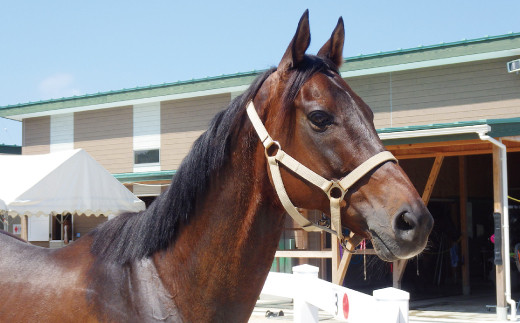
335 190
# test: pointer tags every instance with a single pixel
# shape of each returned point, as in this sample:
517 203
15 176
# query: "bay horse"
202 250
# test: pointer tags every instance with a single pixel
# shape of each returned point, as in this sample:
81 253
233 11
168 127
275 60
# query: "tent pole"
72 227
24 232
61 235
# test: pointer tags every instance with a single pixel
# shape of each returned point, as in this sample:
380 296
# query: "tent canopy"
62 182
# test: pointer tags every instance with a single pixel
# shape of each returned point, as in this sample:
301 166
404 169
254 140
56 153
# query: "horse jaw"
393 216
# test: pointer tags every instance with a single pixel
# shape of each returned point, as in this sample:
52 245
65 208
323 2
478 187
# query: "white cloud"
58 86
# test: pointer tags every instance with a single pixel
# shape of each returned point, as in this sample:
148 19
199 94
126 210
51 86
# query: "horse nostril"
404 222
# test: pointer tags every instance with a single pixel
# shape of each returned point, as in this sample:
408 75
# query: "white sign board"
17 229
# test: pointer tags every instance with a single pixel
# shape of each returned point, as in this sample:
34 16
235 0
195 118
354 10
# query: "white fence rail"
311 293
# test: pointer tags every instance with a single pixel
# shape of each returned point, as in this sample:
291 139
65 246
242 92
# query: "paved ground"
455 309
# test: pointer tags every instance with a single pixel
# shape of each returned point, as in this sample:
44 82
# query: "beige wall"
183 121
461 92
107 136
458 92
83 224
36 135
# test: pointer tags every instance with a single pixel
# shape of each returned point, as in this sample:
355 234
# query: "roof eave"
431 63
467 130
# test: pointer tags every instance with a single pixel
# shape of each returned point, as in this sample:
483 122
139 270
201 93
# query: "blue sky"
53 49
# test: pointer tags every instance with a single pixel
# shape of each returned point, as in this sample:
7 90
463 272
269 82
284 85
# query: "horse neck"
219 262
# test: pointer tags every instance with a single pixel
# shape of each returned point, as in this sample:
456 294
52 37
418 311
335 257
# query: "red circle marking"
345 306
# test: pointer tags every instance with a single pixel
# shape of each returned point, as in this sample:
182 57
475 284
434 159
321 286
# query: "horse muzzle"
407 234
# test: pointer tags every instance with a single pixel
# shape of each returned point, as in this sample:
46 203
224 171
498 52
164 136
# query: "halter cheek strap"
335 190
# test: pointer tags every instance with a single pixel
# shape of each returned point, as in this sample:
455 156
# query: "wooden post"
24 232
334 243
400 265
398 270
301 237
463 199
498 207
323 243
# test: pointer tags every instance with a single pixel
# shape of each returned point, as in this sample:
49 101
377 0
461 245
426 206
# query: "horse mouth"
381 248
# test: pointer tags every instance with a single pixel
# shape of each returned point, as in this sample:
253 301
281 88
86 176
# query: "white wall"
62 132
147 131
38 228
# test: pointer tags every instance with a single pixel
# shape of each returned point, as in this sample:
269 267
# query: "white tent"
63 182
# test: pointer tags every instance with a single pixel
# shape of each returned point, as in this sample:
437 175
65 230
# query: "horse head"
318 120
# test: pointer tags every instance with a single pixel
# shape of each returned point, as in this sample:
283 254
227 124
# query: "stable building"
449 112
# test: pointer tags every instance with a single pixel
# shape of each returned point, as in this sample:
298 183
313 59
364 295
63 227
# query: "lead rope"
335 190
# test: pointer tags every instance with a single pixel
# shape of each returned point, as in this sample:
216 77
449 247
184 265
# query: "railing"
311 294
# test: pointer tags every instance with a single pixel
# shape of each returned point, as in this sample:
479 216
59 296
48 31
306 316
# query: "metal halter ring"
269 145
333 191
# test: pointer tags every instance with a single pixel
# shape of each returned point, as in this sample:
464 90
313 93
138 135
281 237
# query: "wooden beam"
429 153
303 254
301 237
347 256
463 199
498 208
432 179
434 144
432 154
399 266
334 242
320 253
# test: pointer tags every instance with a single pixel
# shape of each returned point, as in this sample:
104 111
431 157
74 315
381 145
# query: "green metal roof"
431 52
10 149
194 85
412 55
164 175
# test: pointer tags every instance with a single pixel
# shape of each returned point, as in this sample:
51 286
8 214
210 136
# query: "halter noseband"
335 190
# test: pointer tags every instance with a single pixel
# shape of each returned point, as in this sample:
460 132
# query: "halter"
335 190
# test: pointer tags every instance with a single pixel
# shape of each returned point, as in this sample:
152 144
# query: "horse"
203 249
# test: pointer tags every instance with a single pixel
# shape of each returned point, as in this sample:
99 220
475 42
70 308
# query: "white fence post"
303 311
396 301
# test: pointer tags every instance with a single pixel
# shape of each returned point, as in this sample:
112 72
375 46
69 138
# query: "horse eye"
320 119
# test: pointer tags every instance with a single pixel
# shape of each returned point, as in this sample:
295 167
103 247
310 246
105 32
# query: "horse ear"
299 44
333 48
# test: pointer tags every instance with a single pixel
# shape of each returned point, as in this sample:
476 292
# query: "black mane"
132 236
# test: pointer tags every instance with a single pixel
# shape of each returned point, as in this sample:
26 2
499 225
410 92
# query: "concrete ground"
455 309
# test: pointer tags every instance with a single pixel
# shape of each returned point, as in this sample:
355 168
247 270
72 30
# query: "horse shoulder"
40 277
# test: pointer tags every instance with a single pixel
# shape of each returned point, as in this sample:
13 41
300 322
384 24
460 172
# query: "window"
149 156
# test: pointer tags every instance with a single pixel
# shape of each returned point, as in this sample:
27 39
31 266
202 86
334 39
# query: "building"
10 149
437 108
